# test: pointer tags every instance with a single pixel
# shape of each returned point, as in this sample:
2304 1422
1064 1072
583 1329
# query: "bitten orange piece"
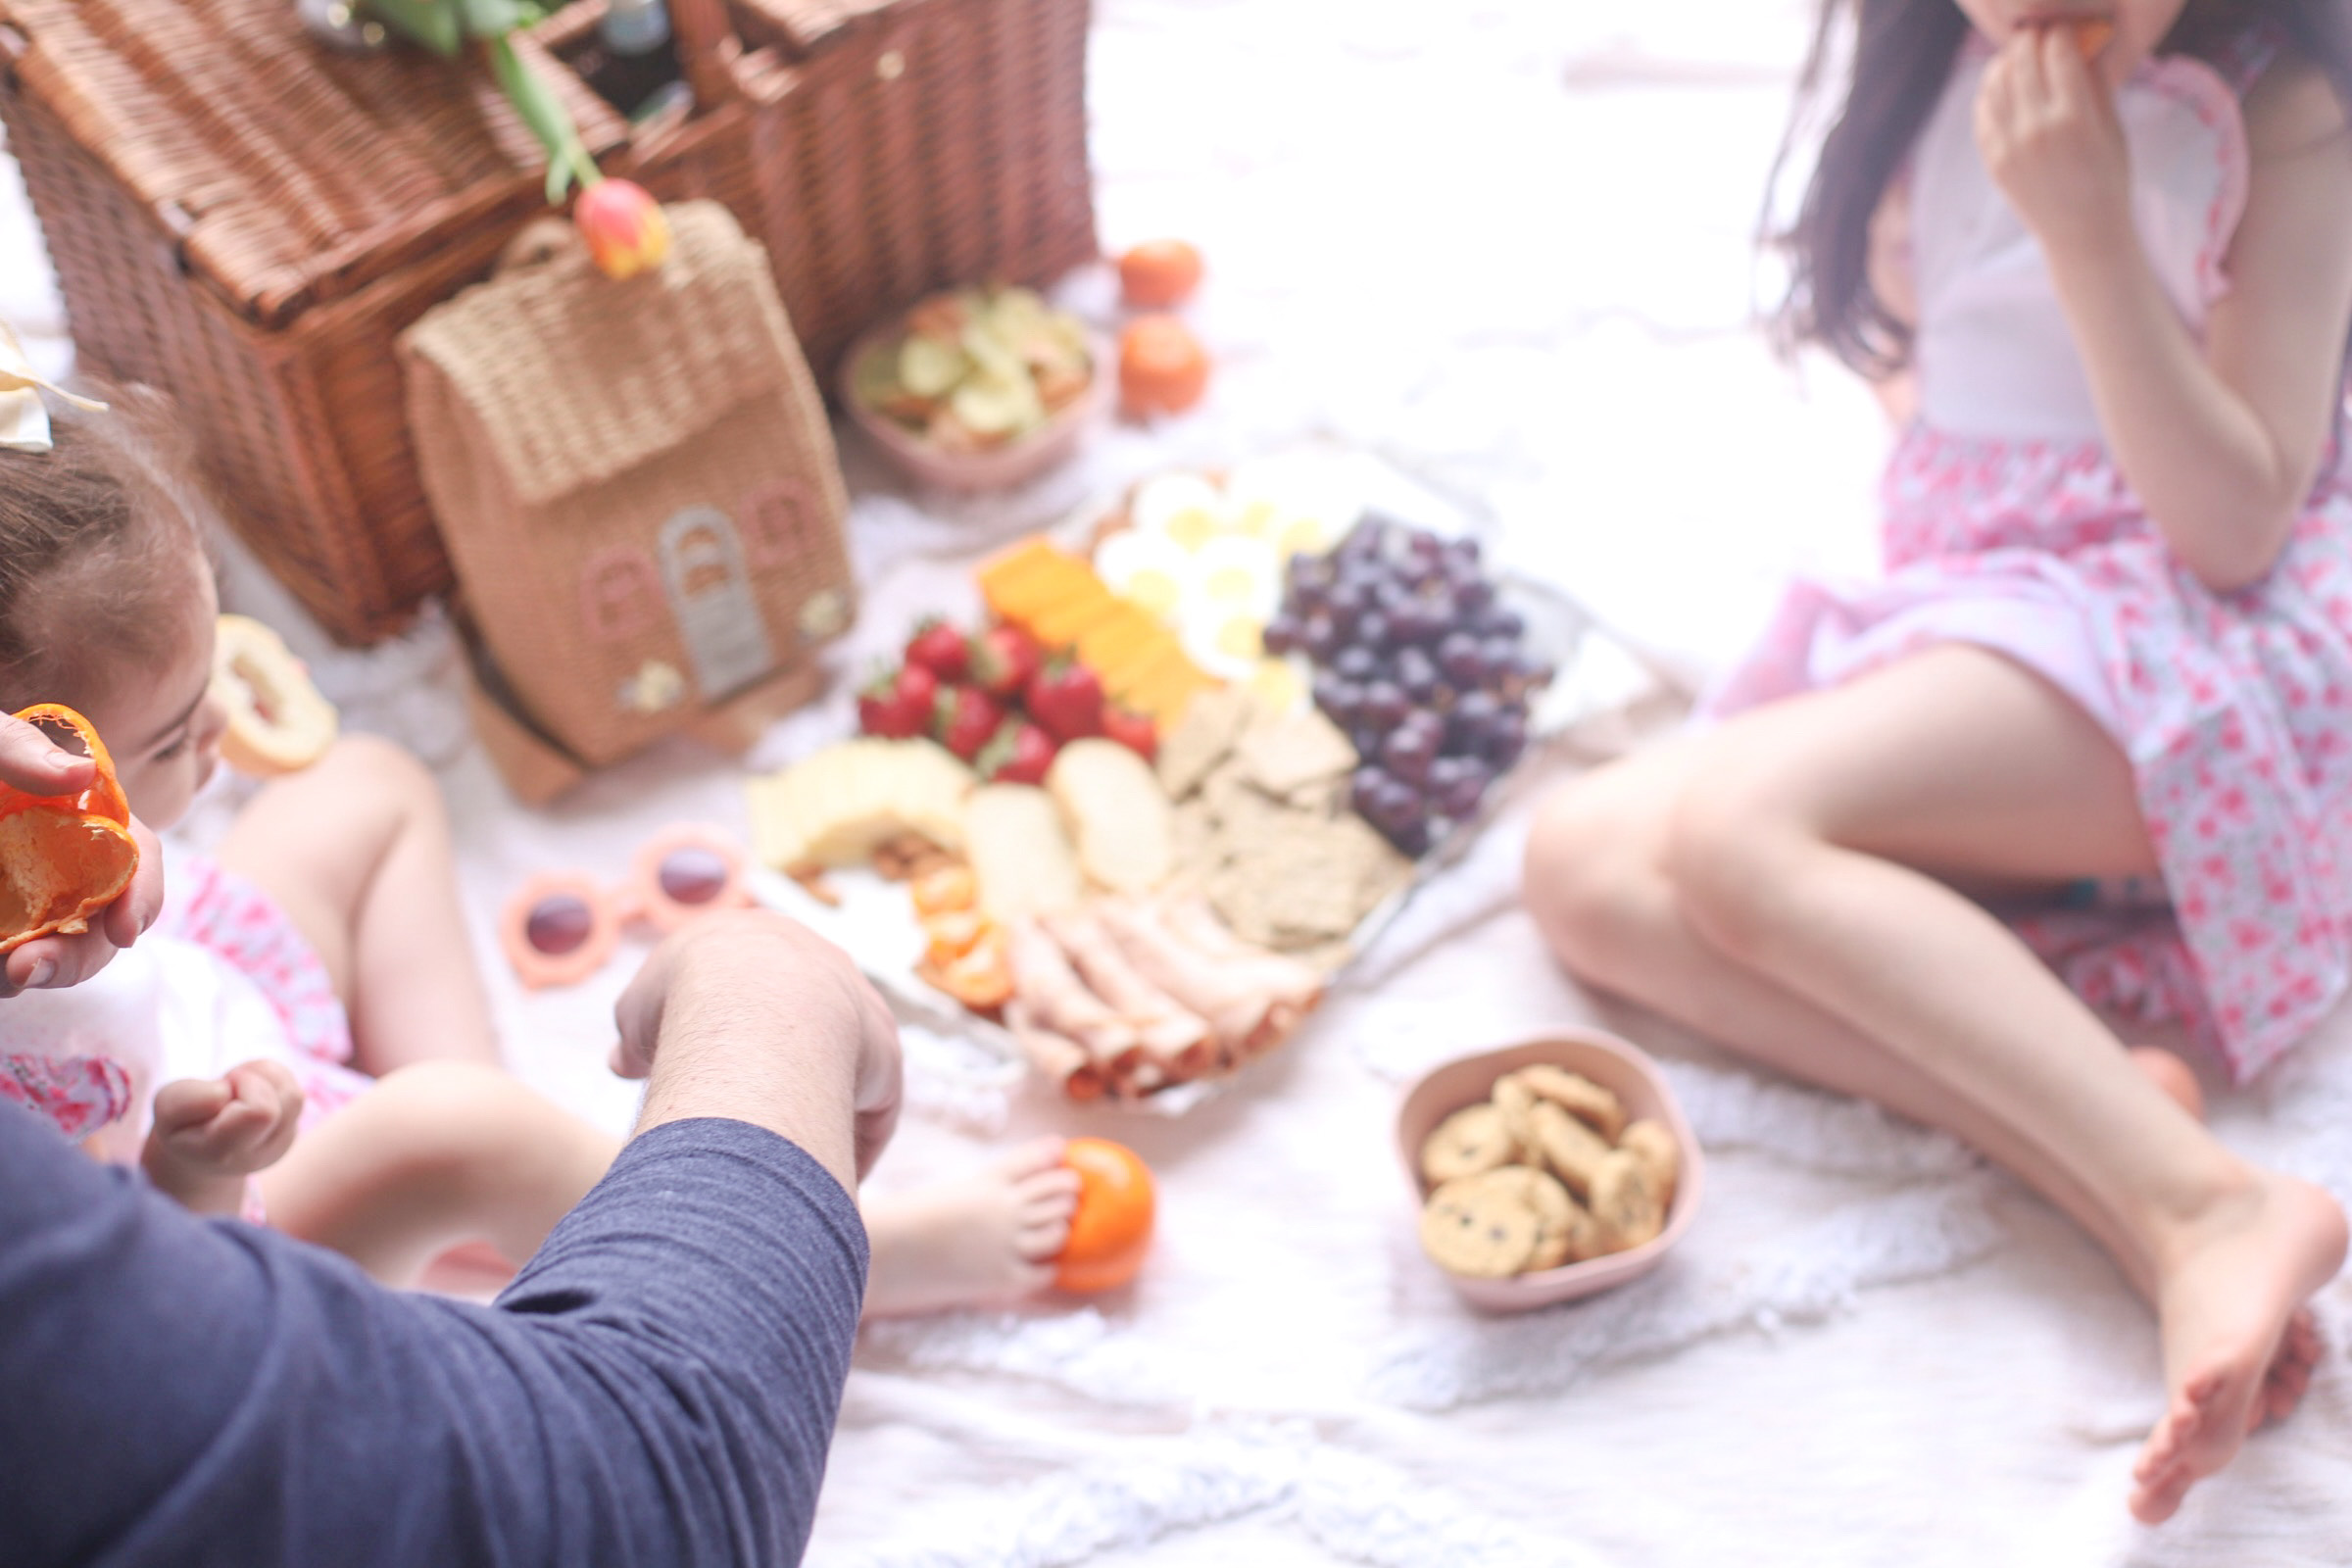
1163 367
1111 1230
63 858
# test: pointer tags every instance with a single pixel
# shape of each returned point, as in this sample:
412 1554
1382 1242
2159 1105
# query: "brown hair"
95 537
1902 53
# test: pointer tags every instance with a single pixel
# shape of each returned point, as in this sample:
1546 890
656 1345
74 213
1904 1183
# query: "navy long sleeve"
658 1387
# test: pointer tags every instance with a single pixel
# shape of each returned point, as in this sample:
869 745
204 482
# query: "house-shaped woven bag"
635 481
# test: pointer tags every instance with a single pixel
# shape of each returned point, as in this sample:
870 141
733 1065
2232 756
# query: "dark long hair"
1902 52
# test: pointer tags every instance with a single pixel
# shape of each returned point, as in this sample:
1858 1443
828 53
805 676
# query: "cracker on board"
1325 797
1234 892
1290 879
1200 844
1213 722
1313 881
1247 819
1285 751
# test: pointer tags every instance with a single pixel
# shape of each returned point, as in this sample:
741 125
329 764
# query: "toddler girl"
302 1035
2102 255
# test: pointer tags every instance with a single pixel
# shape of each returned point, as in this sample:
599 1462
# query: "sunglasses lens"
692 875
557 925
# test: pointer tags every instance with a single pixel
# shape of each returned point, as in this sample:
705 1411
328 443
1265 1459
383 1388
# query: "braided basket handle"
708 48
542 240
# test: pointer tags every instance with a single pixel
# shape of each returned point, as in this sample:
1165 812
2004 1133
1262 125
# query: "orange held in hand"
2091 35
63 858
1112 1228
1159 273
1163 368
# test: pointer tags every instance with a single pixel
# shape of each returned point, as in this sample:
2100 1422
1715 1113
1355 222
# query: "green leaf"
430 22
491 19
544 113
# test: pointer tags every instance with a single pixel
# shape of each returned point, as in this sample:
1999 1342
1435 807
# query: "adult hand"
2046 127
32 763
751 1015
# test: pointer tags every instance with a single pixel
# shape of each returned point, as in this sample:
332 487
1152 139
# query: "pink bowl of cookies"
1548 1170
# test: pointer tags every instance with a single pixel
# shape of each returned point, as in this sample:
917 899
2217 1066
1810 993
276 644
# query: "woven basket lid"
289 174
575 378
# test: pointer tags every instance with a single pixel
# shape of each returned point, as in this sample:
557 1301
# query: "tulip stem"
568 157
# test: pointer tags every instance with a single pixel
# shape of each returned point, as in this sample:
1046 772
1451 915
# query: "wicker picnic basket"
249 220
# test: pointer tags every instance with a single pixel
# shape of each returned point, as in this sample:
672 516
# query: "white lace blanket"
1508 241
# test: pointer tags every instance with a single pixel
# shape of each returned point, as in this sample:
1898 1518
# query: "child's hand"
2047 130
211 1133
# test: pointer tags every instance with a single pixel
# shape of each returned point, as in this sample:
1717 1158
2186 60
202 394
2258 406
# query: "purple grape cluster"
1420 662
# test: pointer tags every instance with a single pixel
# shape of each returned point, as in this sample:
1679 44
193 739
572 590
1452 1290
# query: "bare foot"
2238 1342
985 1240
2170 1074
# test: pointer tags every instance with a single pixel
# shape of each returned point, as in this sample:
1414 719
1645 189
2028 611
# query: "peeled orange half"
63 858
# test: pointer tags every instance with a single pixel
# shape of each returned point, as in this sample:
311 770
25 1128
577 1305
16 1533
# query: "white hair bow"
23 418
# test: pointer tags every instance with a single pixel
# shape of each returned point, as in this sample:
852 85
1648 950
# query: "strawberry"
1019 753
1067 698
897 705
964 719
1133 730
940 649
1004 658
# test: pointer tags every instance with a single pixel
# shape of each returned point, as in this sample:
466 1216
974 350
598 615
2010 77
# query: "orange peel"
63 858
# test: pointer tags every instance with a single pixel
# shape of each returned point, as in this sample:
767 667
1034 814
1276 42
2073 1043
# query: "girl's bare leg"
1769 884
356 849
446 1153
435 1156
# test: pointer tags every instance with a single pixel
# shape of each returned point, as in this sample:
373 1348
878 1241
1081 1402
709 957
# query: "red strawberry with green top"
1133 730
1004 658
940 649
1019 753
897 704
1067 698
963 719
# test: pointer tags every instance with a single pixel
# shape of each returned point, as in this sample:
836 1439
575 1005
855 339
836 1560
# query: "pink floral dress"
222 978
2008 525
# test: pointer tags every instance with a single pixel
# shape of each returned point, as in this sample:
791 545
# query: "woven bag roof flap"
576 378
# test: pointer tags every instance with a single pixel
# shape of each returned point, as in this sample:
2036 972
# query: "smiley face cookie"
1472 1139
1578 1094
1625 1201
1481 1228
1570 1147
1650 1142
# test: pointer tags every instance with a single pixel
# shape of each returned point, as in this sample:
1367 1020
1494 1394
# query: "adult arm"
32 763
2221 440
659 1384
